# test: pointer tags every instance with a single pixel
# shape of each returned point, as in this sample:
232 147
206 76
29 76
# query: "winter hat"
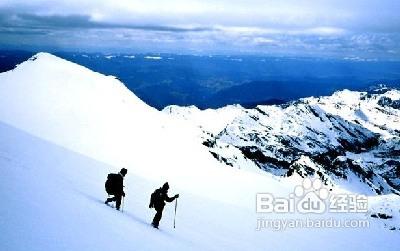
165 186
123 171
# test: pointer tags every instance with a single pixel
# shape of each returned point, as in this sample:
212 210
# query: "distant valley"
208 81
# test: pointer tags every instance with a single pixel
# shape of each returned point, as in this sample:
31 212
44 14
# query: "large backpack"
154 198
111 183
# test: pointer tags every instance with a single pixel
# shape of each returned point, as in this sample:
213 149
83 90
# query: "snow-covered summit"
75 107
97 116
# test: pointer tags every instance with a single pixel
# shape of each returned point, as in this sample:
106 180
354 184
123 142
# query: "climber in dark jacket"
157 201
115 186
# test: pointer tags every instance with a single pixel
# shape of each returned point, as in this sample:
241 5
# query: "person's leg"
118 198
110 199
157 217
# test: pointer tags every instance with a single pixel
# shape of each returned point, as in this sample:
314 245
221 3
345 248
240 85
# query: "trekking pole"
122 208
176 205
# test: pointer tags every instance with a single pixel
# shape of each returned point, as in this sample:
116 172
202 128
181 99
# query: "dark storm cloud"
34 21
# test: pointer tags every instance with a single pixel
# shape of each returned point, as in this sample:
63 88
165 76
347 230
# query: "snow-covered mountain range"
351 136
63 128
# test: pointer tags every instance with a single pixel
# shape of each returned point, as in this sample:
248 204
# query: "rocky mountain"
352 136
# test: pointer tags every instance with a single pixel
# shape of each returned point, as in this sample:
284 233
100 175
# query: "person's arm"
121 188
171 199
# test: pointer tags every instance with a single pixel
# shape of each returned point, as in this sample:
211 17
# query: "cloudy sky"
333 28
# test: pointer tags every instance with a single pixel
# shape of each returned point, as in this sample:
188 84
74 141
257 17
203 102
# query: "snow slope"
98 116
53 200
64 127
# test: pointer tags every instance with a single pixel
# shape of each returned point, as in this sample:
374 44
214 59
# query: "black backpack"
155 196
110 183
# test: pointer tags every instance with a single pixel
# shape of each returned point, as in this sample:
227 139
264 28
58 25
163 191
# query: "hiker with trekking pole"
115 186
157 201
